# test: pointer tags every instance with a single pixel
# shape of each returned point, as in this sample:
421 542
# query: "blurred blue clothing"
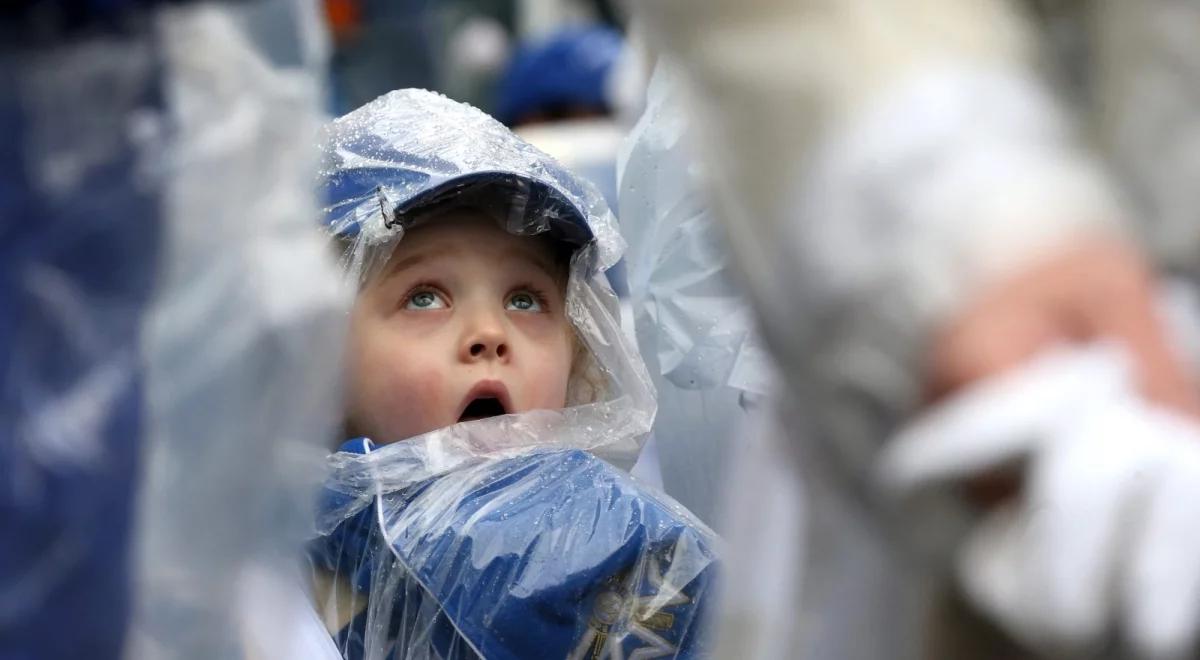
568 70
79 239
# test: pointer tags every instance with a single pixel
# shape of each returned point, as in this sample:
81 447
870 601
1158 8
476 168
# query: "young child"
470 516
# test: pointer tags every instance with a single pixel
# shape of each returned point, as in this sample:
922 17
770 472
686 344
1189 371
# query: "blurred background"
471 50
561 72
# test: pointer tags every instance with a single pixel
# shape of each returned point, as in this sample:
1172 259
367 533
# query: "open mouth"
481 408
486 399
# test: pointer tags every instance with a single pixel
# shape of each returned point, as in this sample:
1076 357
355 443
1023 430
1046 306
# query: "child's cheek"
414 400
551 374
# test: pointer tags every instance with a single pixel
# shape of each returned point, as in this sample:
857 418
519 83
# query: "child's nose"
486 341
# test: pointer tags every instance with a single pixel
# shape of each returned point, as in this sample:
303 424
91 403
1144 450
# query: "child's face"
463 312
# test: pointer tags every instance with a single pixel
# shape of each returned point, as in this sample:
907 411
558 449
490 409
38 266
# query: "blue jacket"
539 556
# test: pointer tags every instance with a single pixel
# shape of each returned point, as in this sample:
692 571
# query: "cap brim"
563 220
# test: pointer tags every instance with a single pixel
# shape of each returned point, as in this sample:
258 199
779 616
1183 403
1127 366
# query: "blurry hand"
1063 449
1101 544
1099 289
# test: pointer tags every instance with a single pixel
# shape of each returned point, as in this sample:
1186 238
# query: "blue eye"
423 300
523 302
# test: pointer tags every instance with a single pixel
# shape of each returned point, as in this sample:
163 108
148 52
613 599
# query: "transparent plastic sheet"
243 388
694 326
543 553
504 537
716 421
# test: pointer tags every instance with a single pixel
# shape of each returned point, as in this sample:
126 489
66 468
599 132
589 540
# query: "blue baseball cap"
413 149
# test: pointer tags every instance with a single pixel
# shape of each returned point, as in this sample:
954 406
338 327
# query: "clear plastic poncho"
238 400
505 537
694 325
715 380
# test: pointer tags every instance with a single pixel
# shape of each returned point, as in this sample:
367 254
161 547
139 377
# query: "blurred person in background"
457 47
381 45
562 77
161 282
955 220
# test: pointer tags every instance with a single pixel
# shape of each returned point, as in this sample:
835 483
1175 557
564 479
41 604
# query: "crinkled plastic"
242 390
716 422
410 147
694 326
505 537
548 553
679 267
